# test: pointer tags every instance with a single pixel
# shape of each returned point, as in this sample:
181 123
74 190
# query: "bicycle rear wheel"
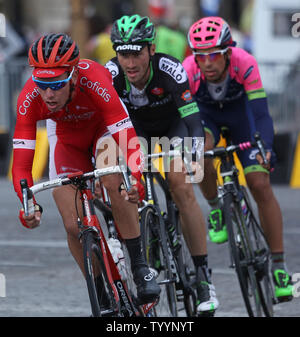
243 256
101 293
157 252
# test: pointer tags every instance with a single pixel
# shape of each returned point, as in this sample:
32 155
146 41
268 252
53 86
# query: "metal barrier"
13 75
282 85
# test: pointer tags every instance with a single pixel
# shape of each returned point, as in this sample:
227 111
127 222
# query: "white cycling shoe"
207 302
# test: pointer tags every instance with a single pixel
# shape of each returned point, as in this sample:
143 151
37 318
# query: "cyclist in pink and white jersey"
84 116
226 84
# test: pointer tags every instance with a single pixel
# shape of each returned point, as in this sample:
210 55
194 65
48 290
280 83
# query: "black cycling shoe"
147 289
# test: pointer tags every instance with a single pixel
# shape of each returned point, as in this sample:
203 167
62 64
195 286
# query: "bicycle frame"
104 206
153 202
239 226
90 223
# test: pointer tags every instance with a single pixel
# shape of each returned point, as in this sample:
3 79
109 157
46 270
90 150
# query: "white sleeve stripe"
120 125
24 144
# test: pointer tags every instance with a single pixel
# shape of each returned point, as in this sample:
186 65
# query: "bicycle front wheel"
101 293
242 255
262 257
185 289
157 252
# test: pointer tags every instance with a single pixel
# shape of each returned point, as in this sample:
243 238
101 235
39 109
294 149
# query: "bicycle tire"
186 272
242 255
262 259
94 266
157 249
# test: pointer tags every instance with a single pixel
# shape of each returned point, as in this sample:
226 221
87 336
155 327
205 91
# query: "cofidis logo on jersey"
96 87
27 101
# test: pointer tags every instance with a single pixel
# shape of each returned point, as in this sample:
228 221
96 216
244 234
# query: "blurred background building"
265 28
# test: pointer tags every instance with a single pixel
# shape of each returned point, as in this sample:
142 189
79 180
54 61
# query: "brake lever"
261 147
27 197
126 173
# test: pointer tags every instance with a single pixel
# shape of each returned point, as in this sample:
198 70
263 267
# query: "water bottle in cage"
118 256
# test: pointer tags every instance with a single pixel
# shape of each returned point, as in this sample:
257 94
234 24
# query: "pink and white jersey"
243 73
94 110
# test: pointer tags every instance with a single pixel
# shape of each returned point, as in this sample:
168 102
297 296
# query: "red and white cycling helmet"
53 54
210 32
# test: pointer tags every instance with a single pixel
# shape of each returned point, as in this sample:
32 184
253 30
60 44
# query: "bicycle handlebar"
171 153
221 151
73 178
174 153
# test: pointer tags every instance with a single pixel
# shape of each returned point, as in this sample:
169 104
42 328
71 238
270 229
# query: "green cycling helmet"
130 30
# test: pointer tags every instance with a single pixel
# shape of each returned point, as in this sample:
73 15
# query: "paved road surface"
43 280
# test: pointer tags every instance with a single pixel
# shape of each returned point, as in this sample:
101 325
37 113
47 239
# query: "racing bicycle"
249 251
108 292
164 246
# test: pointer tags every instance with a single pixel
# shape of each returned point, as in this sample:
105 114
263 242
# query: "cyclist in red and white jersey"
85 117
226 84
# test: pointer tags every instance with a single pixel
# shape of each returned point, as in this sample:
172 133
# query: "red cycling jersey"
94 110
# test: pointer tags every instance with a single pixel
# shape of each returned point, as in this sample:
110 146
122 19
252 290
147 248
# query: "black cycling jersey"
165 101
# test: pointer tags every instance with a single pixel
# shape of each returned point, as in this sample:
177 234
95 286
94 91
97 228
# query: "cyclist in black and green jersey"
155 89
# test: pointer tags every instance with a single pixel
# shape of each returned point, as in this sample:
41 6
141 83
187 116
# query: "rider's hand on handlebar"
261 162
31 221
136 193
97 191
196 173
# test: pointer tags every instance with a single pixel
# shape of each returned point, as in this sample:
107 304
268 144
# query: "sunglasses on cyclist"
56 85
213 56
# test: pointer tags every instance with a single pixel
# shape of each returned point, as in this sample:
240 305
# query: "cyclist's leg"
271 220
126 216
216 228
258 181
193 225
63 160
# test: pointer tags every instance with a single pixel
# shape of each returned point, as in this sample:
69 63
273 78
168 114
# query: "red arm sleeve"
115 116
24 136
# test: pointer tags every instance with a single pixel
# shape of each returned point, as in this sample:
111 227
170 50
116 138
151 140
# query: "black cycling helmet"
131 32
